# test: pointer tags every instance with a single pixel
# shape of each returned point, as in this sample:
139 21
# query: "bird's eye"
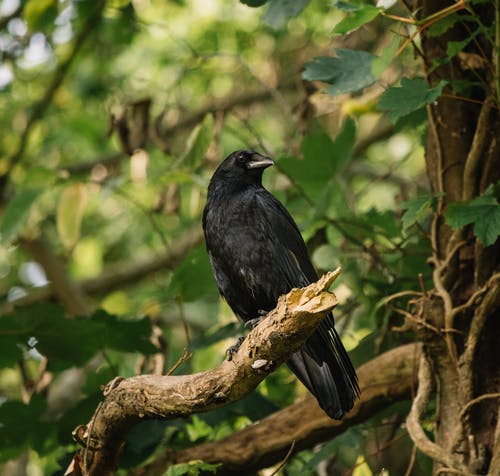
240 159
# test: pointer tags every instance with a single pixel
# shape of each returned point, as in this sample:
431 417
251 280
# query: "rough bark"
128 401
463 159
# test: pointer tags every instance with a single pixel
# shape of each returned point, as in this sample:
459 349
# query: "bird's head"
243 166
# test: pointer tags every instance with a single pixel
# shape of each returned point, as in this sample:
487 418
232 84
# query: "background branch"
383 380
121 274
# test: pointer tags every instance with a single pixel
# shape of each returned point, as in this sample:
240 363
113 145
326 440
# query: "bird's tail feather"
324 367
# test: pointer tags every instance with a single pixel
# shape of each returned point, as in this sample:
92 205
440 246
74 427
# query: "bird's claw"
250 324
230 351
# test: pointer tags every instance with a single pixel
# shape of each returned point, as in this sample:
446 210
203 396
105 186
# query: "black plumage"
257 254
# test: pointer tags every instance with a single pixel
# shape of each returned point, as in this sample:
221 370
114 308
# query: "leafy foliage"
43 328
412 95
348 72
418 209
194 468
483 212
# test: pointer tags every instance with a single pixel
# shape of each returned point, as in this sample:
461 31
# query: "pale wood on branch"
128 401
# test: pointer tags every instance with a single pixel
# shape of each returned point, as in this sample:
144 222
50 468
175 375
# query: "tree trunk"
463 159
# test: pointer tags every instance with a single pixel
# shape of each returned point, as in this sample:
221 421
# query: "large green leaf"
413 94
323 159
348 72
483 212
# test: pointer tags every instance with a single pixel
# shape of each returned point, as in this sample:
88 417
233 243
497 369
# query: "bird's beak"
258 161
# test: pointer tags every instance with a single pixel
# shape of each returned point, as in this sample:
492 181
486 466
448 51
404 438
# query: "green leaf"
357 18
193 279
124 335
193 468
279 11
323 159
413 94
455 47
443 25
483 212
349 71
199 141
17 212
418 209
70 213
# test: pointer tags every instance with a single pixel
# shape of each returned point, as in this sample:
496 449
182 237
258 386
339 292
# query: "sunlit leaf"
413 94
17 212
70 213
199 141
349 71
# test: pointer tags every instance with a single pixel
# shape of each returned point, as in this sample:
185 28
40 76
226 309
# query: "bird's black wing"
322 364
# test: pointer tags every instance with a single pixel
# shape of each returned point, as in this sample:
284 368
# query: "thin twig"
287 457
411 463
186 355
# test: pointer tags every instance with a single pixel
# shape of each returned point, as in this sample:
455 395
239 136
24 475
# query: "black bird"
257 254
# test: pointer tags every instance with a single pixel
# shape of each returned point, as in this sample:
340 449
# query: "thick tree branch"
387 378
268 345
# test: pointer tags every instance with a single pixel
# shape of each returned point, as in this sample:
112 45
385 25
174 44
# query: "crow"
257 254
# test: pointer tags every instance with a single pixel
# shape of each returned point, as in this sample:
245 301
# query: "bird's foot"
250 324
230 351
